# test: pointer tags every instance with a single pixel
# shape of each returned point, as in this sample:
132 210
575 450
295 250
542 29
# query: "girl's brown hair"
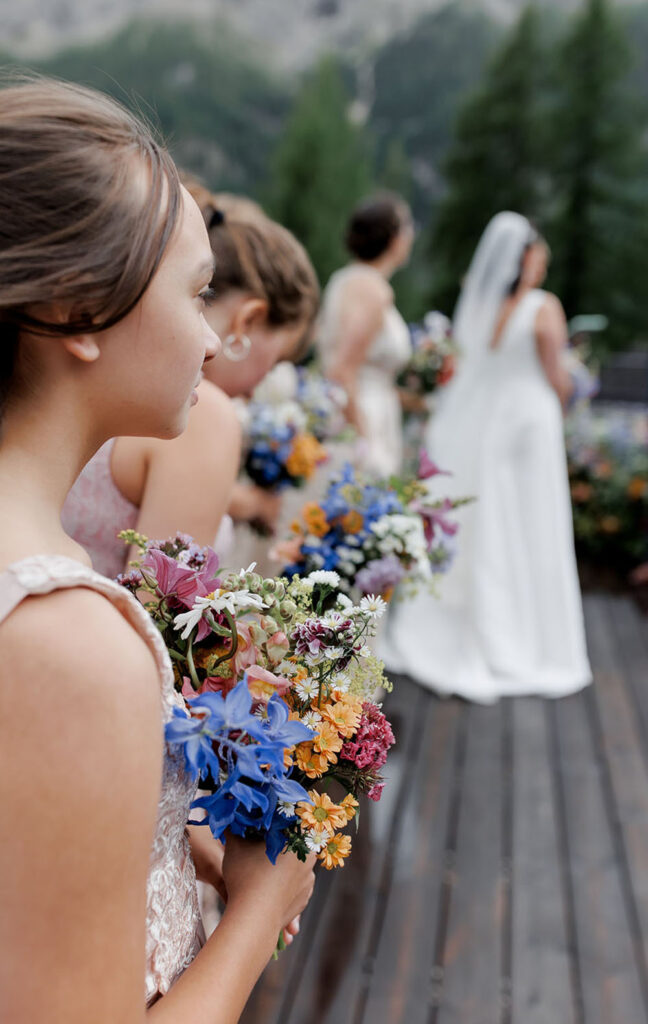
374 224
256 254
81 225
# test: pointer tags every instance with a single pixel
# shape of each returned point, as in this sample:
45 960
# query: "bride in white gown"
509 619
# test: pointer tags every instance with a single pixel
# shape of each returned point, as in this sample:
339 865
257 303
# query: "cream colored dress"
381 453
174 932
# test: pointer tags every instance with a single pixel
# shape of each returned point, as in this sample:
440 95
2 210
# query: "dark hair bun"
373 226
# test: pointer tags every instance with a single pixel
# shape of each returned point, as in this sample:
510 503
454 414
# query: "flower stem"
234 638
195 681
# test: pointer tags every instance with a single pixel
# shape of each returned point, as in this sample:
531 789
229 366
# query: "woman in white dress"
509 618
363 340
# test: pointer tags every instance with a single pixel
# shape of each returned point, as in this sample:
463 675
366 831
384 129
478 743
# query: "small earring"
236 347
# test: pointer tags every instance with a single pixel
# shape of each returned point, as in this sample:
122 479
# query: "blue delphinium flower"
244 755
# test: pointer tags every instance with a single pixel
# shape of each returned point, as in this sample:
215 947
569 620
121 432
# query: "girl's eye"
207 296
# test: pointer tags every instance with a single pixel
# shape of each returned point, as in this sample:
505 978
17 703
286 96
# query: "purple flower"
316 639
380 575
427 468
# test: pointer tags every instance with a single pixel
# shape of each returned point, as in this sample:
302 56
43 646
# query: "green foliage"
419 78
497 156
600 225
321 168
218 108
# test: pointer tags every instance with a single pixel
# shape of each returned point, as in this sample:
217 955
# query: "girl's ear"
83 347
251 313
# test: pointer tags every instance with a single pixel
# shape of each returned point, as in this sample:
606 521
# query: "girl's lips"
194 397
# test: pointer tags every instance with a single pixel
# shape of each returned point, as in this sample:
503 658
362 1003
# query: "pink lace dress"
95 512
174 932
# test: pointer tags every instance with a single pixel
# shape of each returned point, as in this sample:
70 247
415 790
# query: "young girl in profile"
104 268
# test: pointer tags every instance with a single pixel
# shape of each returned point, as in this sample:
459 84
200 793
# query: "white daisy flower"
288 669
219 601
307 688
364 652
341 682
344 602
373 605
334 653
323 576
316 839
285 809
312 719
332 618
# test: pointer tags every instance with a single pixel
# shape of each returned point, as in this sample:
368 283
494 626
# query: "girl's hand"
207 854
280 891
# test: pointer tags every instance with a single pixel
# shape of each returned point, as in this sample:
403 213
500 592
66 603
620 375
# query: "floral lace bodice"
173 928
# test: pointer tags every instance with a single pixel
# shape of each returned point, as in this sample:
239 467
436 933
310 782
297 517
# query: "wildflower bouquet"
607 457
373 536
432 362
277 693
323 402
283 426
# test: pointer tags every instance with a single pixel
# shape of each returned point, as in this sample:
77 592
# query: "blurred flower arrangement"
277 684
432 362
370 537
288 417
608 472
585 381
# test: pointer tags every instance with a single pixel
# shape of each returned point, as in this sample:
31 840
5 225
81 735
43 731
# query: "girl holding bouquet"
261 301
105 267
363 340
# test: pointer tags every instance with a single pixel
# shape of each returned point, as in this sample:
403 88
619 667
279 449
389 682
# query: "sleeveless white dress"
377 396
509 618
174 933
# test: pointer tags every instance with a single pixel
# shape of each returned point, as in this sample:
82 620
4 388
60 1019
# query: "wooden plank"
630 632
625 770
541 970
610 986
402 979
332 973
472 958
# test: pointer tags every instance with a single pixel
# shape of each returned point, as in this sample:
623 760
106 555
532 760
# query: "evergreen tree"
600 227
496 161
321 169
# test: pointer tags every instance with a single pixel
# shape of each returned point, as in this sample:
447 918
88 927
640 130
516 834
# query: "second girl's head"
380 229
104 261
264 292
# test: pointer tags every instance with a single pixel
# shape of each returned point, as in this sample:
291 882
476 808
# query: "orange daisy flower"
610 524
336 851
352 522
315 519
581 491
350 805
312 763
322 813
637 487
345 717
328 742
306 455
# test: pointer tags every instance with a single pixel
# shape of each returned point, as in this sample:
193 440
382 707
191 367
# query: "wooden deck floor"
503 878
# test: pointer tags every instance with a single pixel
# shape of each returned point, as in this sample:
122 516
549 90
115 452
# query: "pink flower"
176 580
375 792
427 468
262 684
368 748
